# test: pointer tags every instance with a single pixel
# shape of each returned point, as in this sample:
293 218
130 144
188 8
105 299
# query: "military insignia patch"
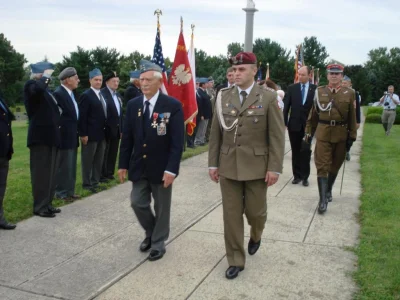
250 112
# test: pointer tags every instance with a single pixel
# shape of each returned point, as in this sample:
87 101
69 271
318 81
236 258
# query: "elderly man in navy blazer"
66 173
151 149
92 126
114 125
44 138
6 152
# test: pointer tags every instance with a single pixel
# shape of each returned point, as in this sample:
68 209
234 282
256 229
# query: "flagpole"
158 12
267 75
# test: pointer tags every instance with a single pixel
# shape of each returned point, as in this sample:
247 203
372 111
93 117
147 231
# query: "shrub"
374 110
373 118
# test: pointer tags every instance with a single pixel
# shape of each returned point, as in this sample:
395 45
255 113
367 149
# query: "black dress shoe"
45 214
54 210
305 182
233 272
7 226
155 255
296 181
145 245
253 246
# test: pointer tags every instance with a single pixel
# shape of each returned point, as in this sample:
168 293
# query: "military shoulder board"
269 89
226 88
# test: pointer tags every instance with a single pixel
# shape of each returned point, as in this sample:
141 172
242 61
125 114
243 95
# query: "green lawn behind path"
378 272
18 200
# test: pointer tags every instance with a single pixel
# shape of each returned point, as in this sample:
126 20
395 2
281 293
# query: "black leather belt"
390 109
333 122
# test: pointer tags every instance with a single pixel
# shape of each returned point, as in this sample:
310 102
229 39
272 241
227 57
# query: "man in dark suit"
92 125
44 138
66 173
151 149
6 152
114 125
204 113
298 100
133 90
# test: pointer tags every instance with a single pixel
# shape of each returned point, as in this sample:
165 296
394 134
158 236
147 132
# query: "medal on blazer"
162 127
167 115
155 116
139 112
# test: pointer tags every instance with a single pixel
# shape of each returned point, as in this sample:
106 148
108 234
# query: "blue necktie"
146 117
2 106
303 89
75 106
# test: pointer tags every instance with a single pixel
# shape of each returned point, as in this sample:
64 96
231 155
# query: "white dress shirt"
72 99
116 101
306 88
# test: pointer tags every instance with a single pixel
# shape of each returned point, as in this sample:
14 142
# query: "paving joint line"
309 225
32 292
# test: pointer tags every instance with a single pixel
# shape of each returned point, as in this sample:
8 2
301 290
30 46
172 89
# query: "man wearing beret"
66 173
246 152
133 90
6 152
151 149
44 138
92 126
333 121
114 125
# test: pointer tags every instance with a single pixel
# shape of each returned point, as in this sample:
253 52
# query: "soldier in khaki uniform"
246 152
333 120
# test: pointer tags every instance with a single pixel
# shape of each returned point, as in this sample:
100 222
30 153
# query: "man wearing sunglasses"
333 121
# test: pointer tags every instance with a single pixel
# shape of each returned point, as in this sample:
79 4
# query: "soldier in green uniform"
333 120
246 152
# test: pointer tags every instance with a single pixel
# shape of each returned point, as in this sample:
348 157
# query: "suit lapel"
69 100
251 98
235 100
310 96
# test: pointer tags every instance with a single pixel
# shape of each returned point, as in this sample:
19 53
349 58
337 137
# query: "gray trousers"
92 155
3 184
66 173
388 117
156 226
201 132
44 161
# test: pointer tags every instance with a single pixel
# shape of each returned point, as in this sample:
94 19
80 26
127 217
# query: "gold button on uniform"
144 156
145 145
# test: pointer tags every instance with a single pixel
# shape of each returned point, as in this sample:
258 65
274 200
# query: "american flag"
298 62
158 58
259 76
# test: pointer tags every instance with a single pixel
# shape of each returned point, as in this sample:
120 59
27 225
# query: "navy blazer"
69 119
131 92
92 120
114 122
6 137
294 103
206 107
43 114
154 154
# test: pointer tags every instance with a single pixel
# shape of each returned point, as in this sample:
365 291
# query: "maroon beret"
243 58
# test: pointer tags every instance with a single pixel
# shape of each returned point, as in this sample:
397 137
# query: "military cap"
146 66
134 74
243 58
335 68
210 79
346 78
39 67
94 73
203 80
110 75
67 73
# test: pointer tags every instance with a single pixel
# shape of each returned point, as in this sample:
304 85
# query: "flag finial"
181 24
158 12
267 64
192 26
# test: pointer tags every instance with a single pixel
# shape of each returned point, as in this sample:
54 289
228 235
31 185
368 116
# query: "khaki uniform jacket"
342 111
257 144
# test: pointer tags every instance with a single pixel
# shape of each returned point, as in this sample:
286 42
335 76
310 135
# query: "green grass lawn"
18 200
378 272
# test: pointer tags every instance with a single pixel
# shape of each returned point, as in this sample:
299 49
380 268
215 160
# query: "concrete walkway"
90 251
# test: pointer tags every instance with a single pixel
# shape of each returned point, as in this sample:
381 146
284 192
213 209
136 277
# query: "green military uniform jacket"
253 146
341 110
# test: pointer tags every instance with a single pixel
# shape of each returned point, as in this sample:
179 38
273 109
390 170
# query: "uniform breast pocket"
344 105
230 115
255 117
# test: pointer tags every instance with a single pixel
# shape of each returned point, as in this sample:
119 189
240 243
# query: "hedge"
374 115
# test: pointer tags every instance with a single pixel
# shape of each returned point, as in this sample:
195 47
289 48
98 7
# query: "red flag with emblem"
181 85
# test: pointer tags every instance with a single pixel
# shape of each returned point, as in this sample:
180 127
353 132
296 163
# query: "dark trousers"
3 184
44 162
300 158
66 173
92 155
110 158
156 226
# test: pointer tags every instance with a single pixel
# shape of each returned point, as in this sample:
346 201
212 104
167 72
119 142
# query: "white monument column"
248 40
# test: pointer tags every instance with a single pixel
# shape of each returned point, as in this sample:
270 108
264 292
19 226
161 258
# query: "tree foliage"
11 71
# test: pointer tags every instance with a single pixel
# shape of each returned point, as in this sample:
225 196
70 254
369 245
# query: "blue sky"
348 28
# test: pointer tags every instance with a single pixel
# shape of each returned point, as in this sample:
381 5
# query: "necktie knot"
244 94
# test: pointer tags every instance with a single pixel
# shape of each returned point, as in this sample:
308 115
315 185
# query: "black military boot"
331 181
322 188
